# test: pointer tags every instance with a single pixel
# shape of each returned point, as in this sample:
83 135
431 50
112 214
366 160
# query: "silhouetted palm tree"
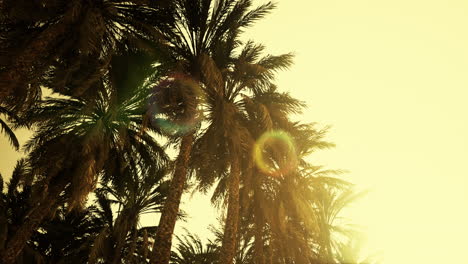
223 147
200 26
16 202
76 139
68 237
266 111
191 250
140 190
285 225
66 41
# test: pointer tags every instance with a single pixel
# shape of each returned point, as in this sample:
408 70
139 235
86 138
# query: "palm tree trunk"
270 252
270 249
133 246
163 240
228 248
121 231
145 245
125 222
48 205
258 243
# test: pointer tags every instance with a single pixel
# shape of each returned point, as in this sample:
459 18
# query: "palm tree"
350 251
4 127
102 233
266 111
191 250
200 27
15 203
225 143
299 226
65 42
285 225
140 191
68 237
76 139
335 234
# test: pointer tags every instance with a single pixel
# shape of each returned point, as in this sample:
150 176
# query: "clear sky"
391 77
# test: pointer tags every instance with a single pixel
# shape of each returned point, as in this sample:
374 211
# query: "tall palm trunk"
271 248
258 242
126 222
47 206
133 246
228 248
270 253
121 229
163 240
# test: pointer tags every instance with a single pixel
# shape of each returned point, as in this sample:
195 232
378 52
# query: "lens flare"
279 146
173 106
174 127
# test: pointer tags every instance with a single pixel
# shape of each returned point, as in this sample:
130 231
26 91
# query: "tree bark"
258 242
133 246
163 240
46 207
120 234
270 248
228 248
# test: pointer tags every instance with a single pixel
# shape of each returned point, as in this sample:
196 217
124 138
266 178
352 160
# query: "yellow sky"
391 77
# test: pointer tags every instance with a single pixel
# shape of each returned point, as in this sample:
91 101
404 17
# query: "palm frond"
10 134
